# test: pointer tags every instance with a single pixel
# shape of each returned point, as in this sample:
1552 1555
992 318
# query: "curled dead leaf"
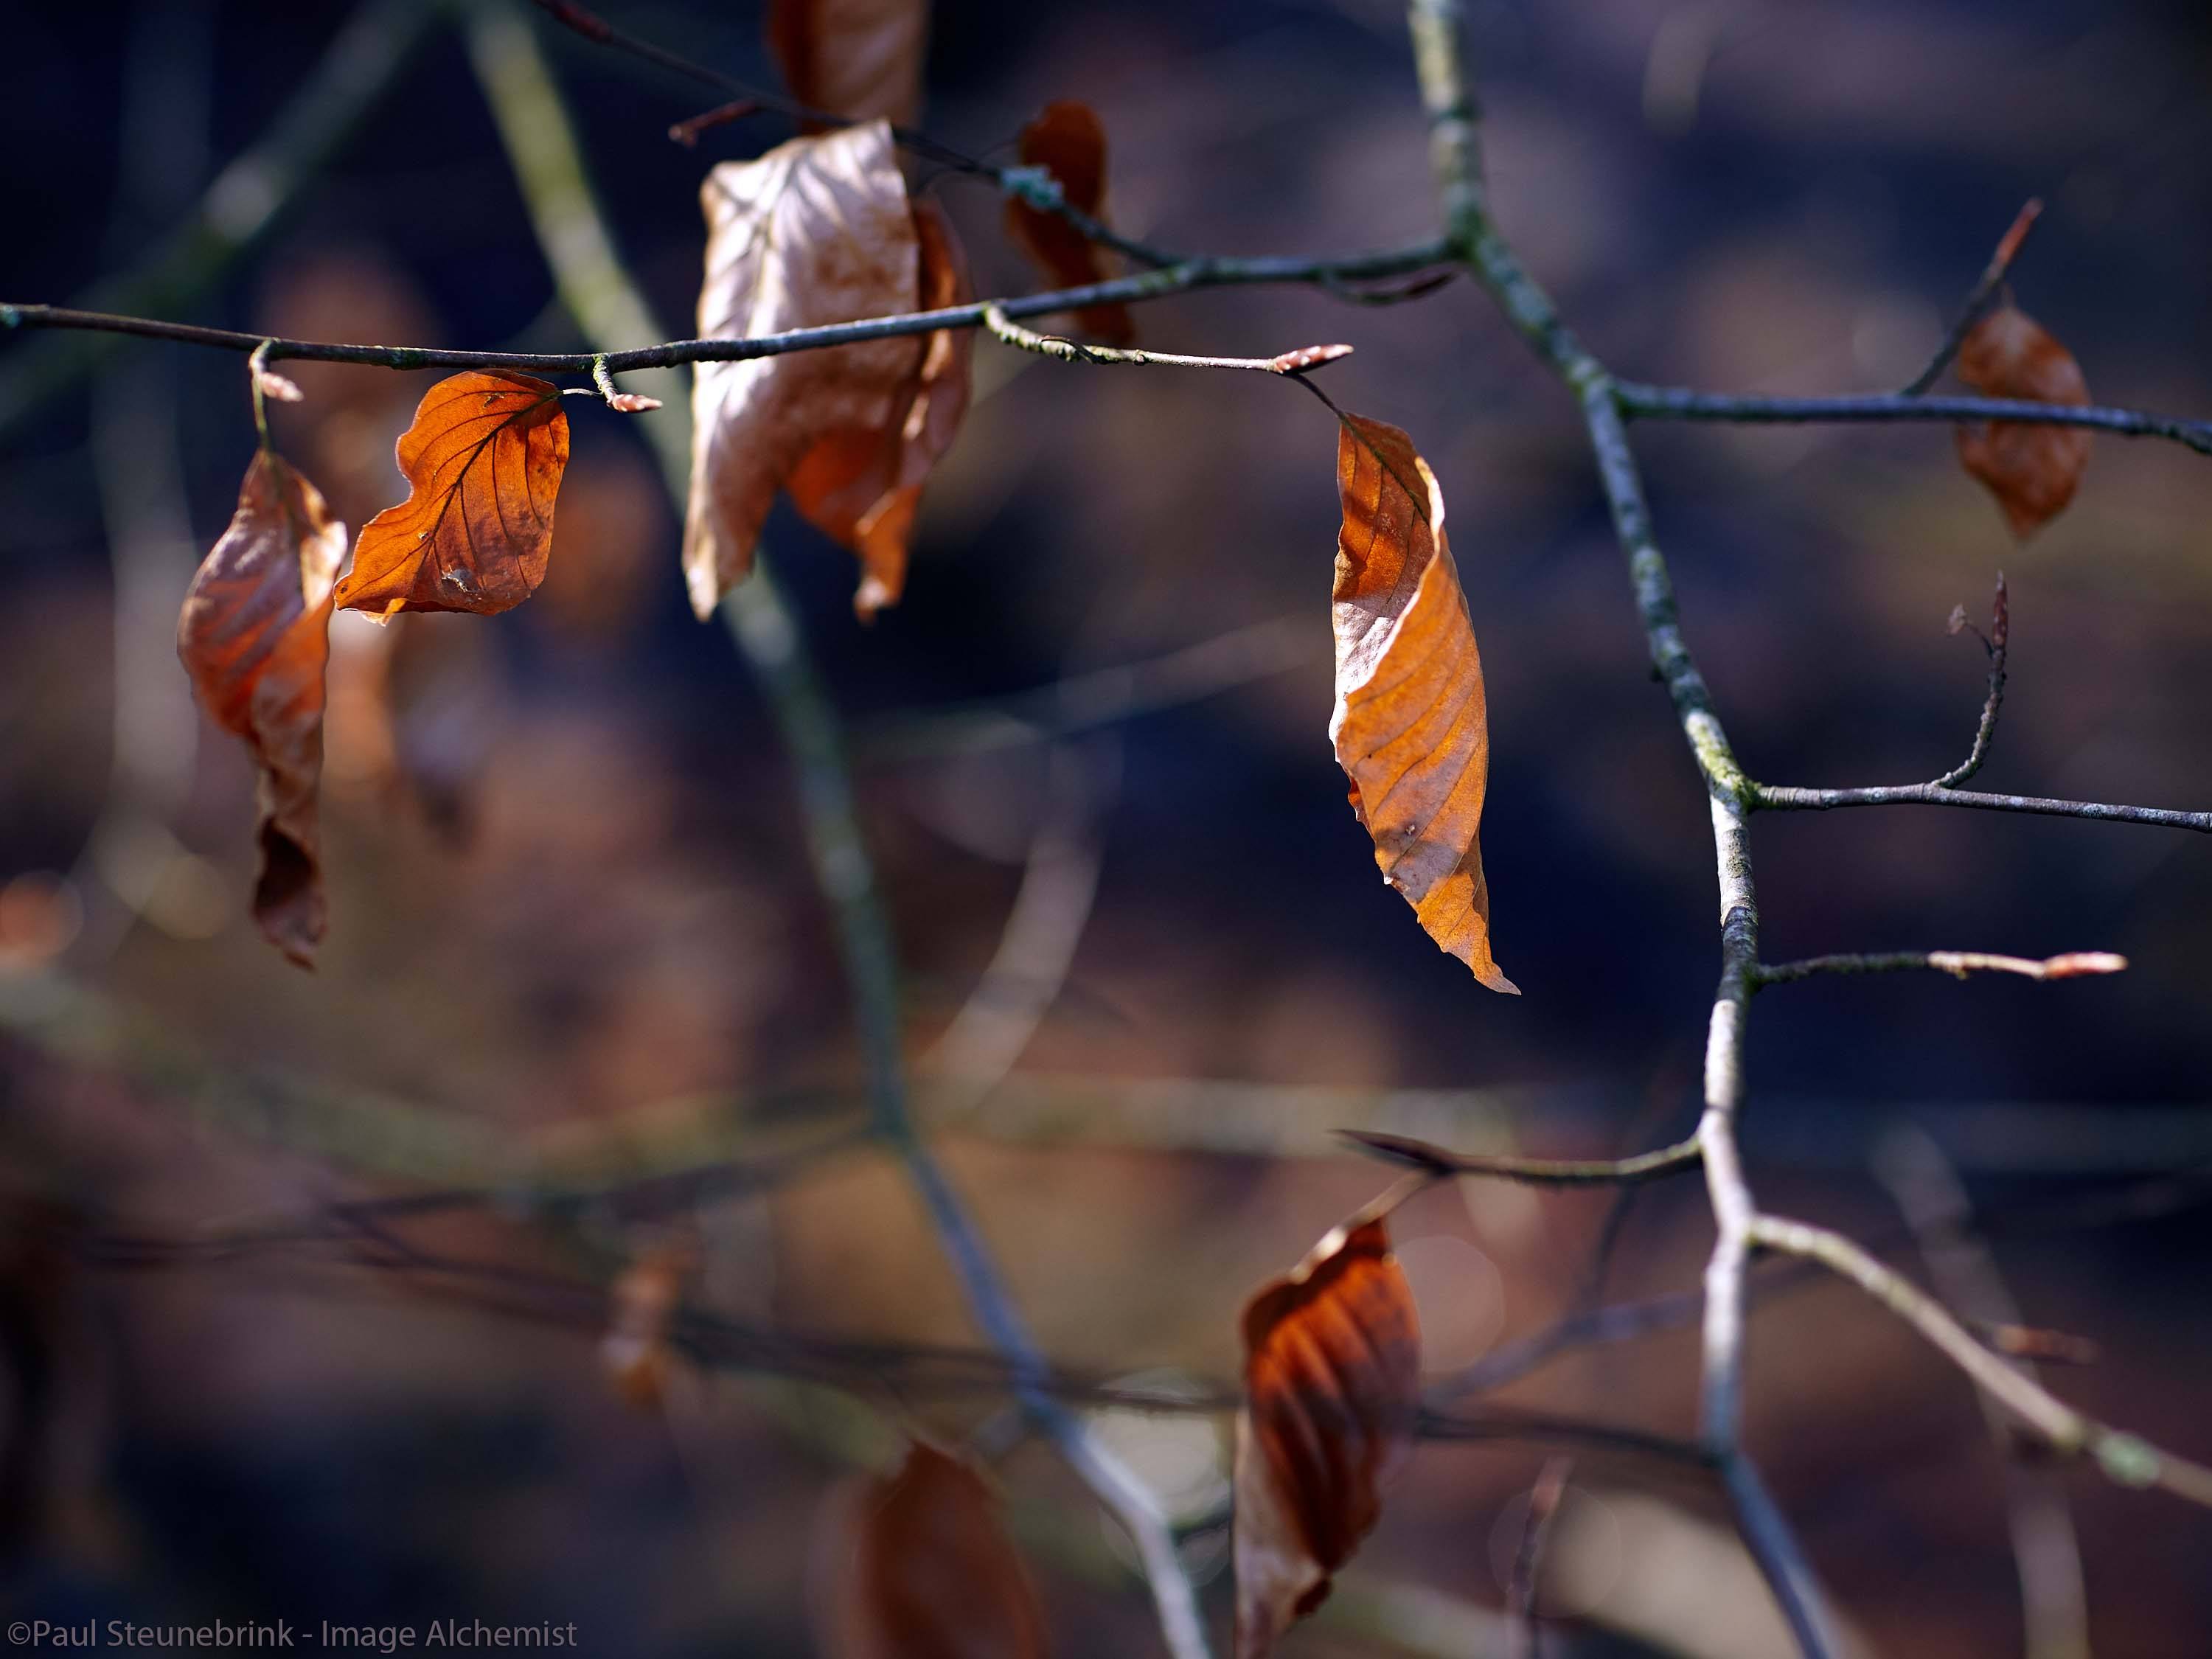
918 1563
1332 1384
483 459
2032 469
1068 140
858 58
1411 725
820 231
255 636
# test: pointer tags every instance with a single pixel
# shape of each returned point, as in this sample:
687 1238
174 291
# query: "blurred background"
576 957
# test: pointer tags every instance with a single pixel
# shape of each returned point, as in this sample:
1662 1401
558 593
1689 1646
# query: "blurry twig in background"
534 124
130 854
1544 1499
1083 703
246 200
2074 964
2054 1602
1059 883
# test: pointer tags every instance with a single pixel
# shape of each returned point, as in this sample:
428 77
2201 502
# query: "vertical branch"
541 142
1456 159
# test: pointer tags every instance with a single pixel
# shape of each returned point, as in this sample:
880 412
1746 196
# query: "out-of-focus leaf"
819 231
1068 141
643 1300
858 58
862 488
254 636
918 1565
1332 1383
2032 470
1411 725
483 460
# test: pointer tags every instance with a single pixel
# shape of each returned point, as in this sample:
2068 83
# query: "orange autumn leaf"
1410 724
254 636
2032 469
918 1563
819 231
483 460
1067 141
858 58
1331 1385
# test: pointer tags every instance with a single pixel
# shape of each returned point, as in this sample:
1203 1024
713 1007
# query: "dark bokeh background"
568 884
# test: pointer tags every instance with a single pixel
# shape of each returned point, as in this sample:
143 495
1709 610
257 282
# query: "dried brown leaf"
483 459
863 488
918 1565
1411 725
820 231
2032 469
1068 140
642 1303
1332 1383
254 636
858 58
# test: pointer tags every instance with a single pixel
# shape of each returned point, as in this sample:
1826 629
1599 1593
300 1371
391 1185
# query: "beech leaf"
858 58
483 459
918 1563
255 636
1067 140
1411 725
2032 469
1331 1385
820 231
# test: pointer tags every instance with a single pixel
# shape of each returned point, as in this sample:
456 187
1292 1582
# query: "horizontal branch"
1778 798
2075 964
1536 1171
1669 403
1293 362
1149 285
2124 1458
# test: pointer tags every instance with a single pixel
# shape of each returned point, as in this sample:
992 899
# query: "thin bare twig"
2125 1458
1293 362
2075 964
1535 1171
1995 643
1978 301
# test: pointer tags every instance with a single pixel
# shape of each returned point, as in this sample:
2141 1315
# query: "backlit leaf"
1068 141
819 231
918 1565
858 58
2032 470
254 636
1332 1384
1411 725
483 460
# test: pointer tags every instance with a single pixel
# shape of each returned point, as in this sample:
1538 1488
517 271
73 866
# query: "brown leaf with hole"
918 1565
1411 725
2032 469
1332 1386
858 58
254 636
1067 140
820 231
483 459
